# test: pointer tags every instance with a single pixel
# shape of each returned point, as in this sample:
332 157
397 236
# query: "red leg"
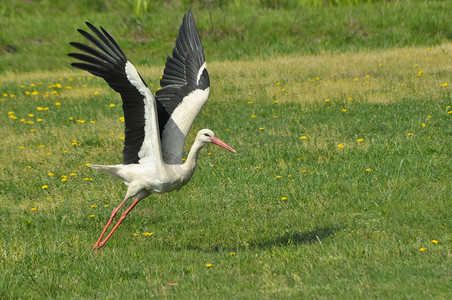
113 214
123 216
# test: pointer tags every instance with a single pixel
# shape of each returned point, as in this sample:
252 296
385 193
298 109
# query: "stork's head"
207 136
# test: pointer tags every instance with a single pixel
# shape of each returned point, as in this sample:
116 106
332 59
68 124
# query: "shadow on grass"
288 239
299 238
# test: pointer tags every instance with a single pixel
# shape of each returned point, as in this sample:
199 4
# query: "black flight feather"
109 61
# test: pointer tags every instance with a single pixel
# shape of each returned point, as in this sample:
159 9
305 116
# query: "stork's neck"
192 158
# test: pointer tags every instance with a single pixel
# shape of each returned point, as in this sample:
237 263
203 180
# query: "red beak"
220 143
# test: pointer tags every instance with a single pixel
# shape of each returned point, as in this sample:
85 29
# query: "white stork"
155 127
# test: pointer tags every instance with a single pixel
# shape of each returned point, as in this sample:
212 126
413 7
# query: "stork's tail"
111 170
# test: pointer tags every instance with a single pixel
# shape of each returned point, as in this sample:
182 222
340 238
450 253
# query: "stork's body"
155 127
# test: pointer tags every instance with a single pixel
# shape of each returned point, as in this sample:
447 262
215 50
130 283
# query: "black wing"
184 90
109 62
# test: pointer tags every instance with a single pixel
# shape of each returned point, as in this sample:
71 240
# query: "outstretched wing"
107 60
184 90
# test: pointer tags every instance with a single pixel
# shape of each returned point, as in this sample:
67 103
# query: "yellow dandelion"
92 122
94 206
419 74
92 216
349 98
344 110
81 121
21 147
327 100
33 208
57 103
40 108
122 138
41 146
112 105
340 146
422 249
278 176
256 167
44 187
106 205
284 198
209 265
232 253
359 140
71 118
261 128
51 174
368 170
276 101
31 115
64 179
250 102
278 83
434 242
444 84
135 234
253 116
410 134
275 117
303 137
39 120
121 119
283 89
96 93
423 125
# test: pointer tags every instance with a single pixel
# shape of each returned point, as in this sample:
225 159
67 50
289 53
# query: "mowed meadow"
341 187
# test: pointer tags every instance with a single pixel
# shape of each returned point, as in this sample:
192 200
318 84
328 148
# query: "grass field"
341 187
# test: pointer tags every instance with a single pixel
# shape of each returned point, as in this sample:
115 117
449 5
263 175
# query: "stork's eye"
206 134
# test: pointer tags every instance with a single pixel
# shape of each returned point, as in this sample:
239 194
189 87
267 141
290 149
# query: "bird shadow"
297 238
290 238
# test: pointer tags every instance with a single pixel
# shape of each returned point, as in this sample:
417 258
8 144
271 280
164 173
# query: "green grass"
31 40
302 217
